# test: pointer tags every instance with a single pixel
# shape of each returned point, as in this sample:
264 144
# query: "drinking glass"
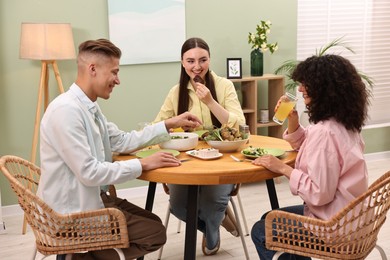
285 107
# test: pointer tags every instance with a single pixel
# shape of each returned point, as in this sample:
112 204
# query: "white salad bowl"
181 141
227 146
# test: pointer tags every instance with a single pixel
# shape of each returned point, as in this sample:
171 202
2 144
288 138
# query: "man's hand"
185 121
159 160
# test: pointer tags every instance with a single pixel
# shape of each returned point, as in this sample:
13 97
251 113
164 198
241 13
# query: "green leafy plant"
289 66
259 39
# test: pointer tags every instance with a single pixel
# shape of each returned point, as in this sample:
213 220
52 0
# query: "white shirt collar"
77 91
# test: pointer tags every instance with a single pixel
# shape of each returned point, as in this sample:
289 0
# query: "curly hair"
336 90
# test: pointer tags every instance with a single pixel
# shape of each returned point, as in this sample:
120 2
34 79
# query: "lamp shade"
47 41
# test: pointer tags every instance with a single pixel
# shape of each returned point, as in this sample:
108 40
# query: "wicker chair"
232 194
351 234
62 233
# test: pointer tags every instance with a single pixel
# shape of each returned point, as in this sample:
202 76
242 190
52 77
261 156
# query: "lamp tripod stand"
47 42
43 95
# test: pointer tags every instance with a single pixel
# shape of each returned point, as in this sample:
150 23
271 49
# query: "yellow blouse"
227 98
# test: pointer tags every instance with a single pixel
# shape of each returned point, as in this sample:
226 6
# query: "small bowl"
227 146
187 141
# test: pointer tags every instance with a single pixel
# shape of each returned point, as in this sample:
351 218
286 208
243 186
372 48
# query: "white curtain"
365 27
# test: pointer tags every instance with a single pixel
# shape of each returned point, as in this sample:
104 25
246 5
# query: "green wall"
224 24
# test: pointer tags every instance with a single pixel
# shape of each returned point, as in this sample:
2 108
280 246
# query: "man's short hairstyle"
100 46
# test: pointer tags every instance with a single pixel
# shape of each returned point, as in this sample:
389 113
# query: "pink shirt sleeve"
330 170
315 181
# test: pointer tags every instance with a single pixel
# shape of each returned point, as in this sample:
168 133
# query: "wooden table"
223 170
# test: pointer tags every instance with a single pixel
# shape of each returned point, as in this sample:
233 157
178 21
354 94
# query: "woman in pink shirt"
330 169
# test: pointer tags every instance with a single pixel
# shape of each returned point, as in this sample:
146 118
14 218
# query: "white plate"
194 153
148 152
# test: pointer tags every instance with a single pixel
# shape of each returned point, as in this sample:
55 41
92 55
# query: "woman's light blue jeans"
212 203
258 237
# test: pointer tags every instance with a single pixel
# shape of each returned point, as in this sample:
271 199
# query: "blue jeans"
258 237
213 200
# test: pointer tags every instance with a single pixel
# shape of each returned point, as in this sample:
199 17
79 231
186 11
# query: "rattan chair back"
62 233
350 234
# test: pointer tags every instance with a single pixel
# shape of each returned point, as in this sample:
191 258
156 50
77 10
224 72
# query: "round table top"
223 170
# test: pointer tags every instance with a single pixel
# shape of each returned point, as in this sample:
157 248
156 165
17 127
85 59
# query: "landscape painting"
148 31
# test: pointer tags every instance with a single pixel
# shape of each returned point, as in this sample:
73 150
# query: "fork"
239 160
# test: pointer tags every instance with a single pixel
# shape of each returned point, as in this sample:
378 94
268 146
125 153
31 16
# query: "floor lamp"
47 42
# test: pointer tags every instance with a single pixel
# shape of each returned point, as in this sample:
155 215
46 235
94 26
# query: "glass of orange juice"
285 107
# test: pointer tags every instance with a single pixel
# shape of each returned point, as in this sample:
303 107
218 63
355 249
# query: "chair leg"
179 226
381 251
239 228
35 253
120 253
243 214
276 256
166 226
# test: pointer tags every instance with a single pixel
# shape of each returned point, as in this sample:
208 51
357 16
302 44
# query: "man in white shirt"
76 149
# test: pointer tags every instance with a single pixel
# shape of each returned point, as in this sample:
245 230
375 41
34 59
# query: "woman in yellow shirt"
213 99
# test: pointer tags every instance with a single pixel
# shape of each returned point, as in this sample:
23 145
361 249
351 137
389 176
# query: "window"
365 25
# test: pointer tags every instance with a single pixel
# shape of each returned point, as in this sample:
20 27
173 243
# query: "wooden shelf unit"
249 88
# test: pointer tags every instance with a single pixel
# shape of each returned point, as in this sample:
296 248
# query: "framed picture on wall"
147 31
234 68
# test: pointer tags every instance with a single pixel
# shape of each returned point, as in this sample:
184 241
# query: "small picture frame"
234 68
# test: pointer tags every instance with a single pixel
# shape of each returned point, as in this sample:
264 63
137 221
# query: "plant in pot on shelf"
259 42
289 66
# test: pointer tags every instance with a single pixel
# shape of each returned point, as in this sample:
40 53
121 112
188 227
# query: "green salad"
254 151
223 134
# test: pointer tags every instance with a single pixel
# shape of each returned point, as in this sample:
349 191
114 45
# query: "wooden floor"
15 246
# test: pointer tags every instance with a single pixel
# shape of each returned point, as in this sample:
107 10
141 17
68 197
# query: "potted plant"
288 66
259 42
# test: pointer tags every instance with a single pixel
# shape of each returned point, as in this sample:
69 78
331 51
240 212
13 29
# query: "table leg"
191 223
273 198
149 202
150 197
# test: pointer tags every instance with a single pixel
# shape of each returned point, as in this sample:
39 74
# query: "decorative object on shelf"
259 42
234 68
257 63
264 116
